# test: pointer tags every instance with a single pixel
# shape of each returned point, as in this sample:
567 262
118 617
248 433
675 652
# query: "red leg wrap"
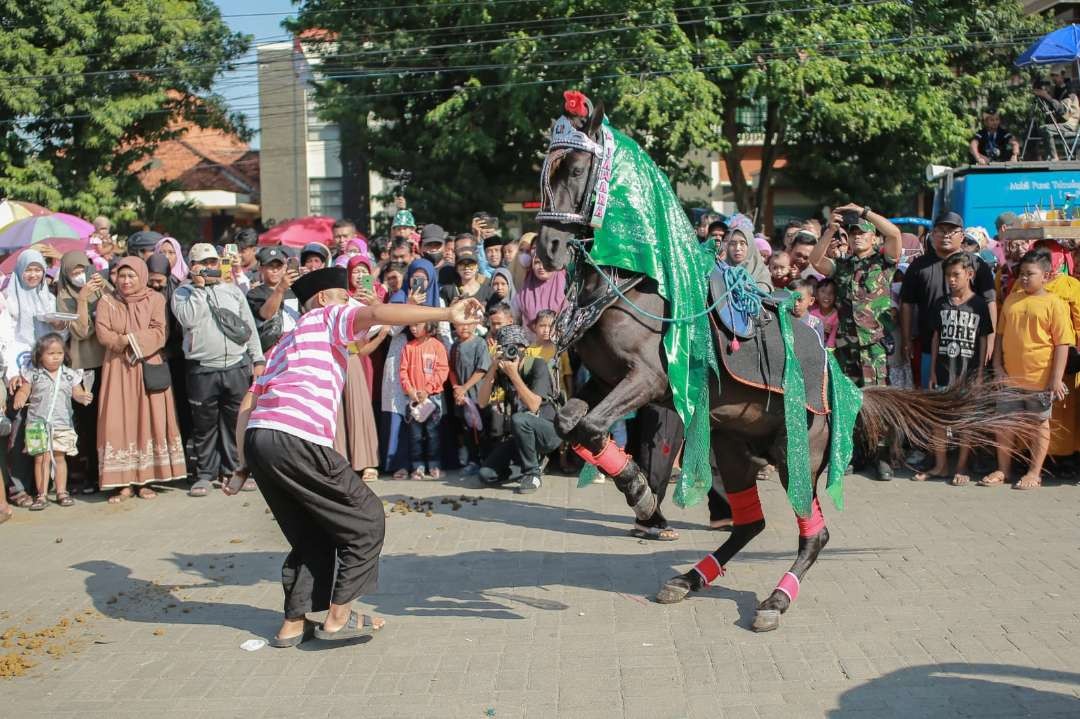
745 506
789 585
610 460
812 525
709 569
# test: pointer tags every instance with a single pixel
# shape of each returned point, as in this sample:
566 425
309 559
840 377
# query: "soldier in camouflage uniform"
862 296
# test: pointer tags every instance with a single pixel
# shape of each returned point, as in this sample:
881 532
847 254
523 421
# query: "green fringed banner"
845 401
800 488
645 230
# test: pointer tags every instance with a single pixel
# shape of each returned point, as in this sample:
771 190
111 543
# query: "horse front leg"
591 440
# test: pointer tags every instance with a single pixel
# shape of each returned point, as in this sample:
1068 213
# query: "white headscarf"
25 304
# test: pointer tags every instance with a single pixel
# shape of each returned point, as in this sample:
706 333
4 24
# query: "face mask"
78 280
434 257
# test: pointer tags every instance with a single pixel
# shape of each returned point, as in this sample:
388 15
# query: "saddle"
751 348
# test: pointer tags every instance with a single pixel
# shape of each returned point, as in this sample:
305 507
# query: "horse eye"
577 172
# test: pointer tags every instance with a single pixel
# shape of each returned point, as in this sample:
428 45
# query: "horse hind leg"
738 471
813 536
592 442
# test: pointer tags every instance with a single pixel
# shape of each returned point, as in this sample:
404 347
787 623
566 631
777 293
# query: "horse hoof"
766 620
674 591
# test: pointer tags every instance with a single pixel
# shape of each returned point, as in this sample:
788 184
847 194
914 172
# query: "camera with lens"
208 272
510 352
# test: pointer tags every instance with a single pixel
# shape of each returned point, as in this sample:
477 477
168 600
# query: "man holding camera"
221 343
529 387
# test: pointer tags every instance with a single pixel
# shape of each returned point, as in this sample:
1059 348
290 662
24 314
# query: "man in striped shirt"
331 519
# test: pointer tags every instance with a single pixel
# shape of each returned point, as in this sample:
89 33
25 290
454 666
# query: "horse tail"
968 411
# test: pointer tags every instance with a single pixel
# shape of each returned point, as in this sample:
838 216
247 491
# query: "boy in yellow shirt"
1035 332
544 348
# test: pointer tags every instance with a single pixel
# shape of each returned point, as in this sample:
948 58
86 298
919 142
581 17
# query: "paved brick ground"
931 601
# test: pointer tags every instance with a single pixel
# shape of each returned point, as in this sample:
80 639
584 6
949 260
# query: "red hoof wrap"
789 585
812 525
745 506
610 460
709 569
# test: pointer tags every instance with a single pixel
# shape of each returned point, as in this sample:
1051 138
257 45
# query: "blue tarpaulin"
1059 47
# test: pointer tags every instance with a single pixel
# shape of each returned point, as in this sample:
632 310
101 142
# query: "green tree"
857 96
91 86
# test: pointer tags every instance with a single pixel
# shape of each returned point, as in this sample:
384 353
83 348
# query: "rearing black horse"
623 350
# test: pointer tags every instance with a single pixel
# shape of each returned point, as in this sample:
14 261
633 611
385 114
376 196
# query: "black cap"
949 218
246 237
328 278
143 240
493 241
266 255
465 256
432 235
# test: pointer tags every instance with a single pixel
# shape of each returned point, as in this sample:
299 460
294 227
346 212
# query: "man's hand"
459 395
467 312
508 367
982 160
198 281
1058 390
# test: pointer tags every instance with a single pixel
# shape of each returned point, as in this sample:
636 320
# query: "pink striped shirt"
300 391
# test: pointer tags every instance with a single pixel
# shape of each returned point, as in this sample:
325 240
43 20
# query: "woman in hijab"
160 278
357 439
542 290
742 251
502 288
28 298
169 247
79 288
138 436
424 291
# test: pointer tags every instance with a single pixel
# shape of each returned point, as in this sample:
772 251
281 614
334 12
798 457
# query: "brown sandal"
64 499
1028 481
22 500
994 479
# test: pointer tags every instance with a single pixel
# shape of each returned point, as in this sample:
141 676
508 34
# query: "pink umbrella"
60 244
299 232
84 228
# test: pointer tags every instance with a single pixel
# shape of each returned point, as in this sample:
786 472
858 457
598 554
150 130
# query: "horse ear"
596 119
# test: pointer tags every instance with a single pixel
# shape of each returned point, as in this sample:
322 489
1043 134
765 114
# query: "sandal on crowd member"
656 534
285 642
64 499
358 625
121 496
960 479
995 478
39 503
22 500
249 485
1028 481
435 474
147 493
934 473
370 474
401 474
201 488
417 475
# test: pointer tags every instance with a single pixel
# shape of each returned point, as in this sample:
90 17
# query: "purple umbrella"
34 229
84 228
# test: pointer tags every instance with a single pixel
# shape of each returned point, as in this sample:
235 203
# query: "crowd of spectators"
125 367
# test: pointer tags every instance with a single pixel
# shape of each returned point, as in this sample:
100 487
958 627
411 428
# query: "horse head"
569 180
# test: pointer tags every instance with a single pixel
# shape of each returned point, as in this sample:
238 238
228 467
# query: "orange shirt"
1030 327
424 365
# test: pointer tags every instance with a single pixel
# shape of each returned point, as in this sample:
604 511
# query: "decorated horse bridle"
565 138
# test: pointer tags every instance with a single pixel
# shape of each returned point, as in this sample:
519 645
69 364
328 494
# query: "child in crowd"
961 322
780 269
48 387
1035 335
899 363
544 348
825 310
804 290
424 369
469 362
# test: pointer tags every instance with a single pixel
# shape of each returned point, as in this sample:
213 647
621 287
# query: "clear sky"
261 18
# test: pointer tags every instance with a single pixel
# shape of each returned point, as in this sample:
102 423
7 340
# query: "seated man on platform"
993 143
529 389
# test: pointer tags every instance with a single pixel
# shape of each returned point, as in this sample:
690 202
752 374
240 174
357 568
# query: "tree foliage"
91 86
858 96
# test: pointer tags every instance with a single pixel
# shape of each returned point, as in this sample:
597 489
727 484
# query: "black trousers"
214 397
331 519
86 426
658 435
531 437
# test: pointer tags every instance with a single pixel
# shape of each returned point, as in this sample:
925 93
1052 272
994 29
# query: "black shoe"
529 484
884 471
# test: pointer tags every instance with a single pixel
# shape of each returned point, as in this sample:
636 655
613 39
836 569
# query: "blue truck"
982 192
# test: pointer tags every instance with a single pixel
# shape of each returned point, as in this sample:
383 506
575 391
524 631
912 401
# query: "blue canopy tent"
1056 48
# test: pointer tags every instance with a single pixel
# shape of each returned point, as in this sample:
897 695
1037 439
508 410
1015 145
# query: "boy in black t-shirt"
961 324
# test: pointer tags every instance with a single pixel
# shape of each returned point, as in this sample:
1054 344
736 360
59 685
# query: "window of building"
325 197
